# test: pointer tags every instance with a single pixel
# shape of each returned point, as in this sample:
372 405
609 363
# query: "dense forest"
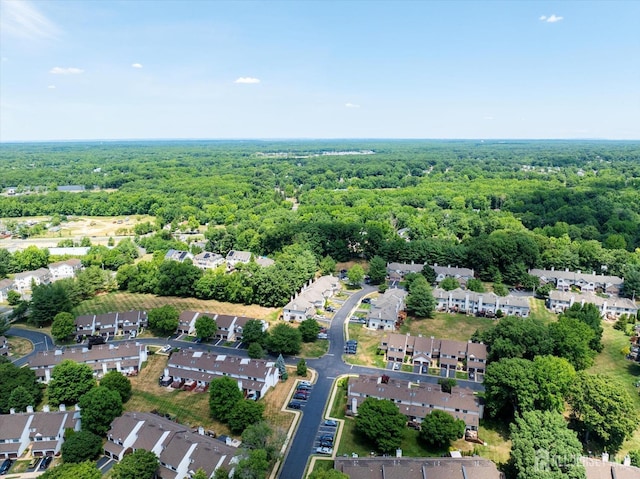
499 207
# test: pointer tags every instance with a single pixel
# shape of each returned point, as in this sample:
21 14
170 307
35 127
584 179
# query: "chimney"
30 409
605 457
45 408
12 411
62 407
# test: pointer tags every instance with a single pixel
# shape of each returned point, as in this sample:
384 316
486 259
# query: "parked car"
34 462
304 383
396 366
425 369
324 450
326 437
45 463
6 465
294 405
302 387
252 397
166 348
323 336
331 422
366 300
300 396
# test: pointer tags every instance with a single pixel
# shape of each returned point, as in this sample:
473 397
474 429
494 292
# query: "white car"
305 383
324 450
166 349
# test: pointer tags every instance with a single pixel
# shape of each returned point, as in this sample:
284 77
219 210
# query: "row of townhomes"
444 354
418 468
208 260
180 450
196 369
470 302
564 280
388 311
397 271
311 298
42 431
23 282
229 327
612 307
108 325
126 358
415 400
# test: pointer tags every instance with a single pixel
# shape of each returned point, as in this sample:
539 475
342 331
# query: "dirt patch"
19 347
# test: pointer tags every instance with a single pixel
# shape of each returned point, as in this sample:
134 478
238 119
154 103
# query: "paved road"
328 368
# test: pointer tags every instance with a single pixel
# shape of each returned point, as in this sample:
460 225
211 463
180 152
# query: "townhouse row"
23 282
444 354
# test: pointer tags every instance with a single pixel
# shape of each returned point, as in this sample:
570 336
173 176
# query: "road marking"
331 377
331 354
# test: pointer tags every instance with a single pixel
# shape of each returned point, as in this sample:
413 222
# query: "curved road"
328 367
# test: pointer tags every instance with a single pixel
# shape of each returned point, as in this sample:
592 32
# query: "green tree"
260 435
571 338
224 394
30 259
447 384
516 337
309 329
4 326
81 446
429 274
253 466
13 377
221 473
47 300
500 289
327 265
510 387
244 413
206 327
283 339
631 285
301 368
118 382
381 423
440 428
475 285
544 448
164 320
355 275
63 326
377 270
20 398
554 377
635 457
420 300
82 470
255 351
70 381
100 406
602 410
589 314
253 332
140 464
5 263
13 297
449 284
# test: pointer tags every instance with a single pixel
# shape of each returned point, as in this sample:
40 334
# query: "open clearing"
120 301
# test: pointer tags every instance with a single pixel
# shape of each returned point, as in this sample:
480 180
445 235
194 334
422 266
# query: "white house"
65 269
311 297
24 281
385 311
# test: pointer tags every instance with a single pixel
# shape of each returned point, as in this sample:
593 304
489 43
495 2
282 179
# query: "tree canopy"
164 320
100 406
205 327
439 429
283 339
82 470
224 394
70 381
381 423
118 382
140 464
420 300
81 446
14 378
63 326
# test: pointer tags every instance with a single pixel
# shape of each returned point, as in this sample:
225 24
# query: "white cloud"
51 87
553 18
351 105
247 80
22 19
488 118
66 71
136 65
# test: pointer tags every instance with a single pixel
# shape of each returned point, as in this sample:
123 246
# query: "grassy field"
121 301
447 326
368 342
539 311
193 408
612 362
315 349
19 347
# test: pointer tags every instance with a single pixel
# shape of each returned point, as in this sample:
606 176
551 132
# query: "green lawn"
612 362
314 349
539 311
447 326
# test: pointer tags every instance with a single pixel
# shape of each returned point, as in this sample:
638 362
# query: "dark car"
294 405
303 387
331 422
300 396
45 463
6 465
352 342
326 438
366 300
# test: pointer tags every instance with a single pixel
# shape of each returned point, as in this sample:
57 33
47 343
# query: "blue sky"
325 69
